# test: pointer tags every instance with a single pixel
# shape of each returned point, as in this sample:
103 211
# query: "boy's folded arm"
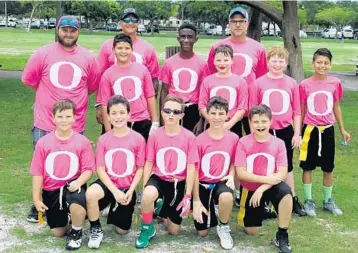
249 177
84 177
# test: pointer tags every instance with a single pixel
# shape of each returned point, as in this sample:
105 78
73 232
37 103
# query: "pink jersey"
216 156
143 53
249 62
260 158
133 82
319 97
59 74
60 162
172 154
184 76
282 96
233 89
120 156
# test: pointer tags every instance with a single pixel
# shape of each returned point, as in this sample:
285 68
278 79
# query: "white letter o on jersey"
181 161
108 158
50 168
270 163
329 104
248 64
285 100
117 87
193 80
55 70
206 161
232 93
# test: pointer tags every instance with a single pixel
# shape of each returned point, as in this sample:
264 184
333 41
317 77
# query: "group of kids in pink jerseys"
193 155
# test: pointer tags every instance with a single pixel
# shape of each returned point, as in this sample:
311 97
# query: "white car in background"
10 22
303 34
141 28
347 33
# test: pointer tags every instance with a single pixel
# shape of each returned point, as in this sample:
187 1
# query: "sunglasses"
66 22
238 22
170 111
128 20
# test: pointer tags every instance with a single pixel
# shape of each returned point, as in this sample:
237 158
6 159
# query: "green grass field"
325 233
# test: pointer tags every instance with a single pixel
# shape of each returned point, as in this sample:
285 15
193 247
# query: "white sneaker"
223 232
95 237
105 212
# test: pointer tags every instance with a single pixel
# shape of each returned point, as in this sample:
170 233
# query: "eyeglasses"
240 22
128 20
66 22
170 111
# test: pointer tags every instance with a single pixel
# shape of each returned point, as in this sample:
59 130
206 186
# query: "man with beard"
60 70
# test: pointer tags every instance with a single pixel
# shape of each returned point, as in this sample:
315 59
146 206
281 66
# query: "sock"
147 217
237 192
222 223
76 228
96 223
327 193
282 230
307 191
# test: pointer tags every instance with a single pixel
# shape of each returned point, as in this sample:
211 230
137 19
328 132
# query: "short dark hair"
176 99
122 38
322 52
260 110
218 102
64 104
118 100
224 49
188 26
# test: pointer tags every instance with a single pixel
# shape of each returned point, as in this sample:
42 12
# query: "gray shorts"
37 134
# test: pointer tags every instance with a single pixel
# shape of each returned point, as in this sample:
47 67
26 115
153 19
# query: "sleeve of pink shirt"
338 93
204 72
236 142
211 66
243 95
152 64
140 152
105 90
204 95
38 160
103 55
33 70
193 156
148 88
87 160
302 94
165 75
281 159
240 155
261 67
100 153
94 76
296 106
150 154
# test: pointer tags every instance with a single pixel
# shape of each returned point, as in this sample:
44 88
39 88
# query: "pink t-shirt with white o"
319 97
172 154
260 158
215 155
59 74
282 95
184 76
60 162
121 156
133 82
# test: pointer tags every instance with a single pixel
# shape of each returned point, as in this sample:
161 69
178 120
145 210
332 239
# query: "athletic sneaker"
74 240
269 212
310 207
95 237
282 242
237 198
330 206
147 232
105 212
298 207
223 232
158 206
139 197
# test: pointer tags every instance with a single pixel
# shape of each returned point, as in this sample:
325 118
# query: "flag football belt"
211 188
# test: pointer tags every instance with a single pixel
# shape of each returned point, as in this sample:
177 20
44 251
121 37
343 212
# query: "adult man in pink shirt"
214 183
169 172
120 159
281 93
60 70
62 163
261 165
181 76
131 80
249 55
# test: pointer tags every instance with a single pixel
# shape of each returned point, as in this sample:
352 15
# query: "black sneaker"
33 215
269 213
298 207
74 240
237 202
282 242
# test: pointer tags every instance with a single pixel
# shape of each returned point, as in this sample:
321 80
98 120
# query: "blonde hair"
279 51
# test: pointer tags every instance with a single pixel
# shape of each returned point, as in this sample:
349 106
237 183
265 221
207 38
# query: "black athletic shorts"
120 216
249 216
166 192
204 195
286 135
57 213
142 127
315 154
191 116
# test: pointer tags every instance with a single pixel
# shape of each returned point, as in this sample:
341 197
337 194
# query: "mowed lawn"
16 45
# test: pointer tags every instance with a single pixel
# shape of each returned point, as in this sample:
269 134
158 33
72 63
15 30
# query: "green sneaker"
147 232
158 206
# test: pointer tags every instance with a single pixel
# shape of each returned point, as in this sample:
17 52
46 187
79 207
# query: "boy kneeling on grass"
120 158
62 164
261 165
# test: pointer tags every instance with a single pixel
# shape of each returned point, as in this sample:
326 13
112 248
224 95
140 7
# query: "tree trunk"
255 25
151 27
223 27
290 33
34 6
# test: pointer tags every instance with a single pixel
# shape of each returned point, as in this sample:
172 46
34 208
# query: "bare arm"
136 179
239 114
155 85
190 177
204 114
103 176
37 182
163 94
85 176
196 187
147 172
152 104
338 114
106 123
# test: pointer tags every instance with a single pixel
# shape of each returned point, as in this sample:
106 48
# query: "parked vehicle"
10 22
303 34
100 26
347 33
51 23
37 24
112 27
329 33
155 27
227 31
141 28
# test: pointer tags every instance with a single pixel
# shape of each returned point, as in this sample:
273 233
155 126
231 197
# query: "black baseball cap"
128 11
